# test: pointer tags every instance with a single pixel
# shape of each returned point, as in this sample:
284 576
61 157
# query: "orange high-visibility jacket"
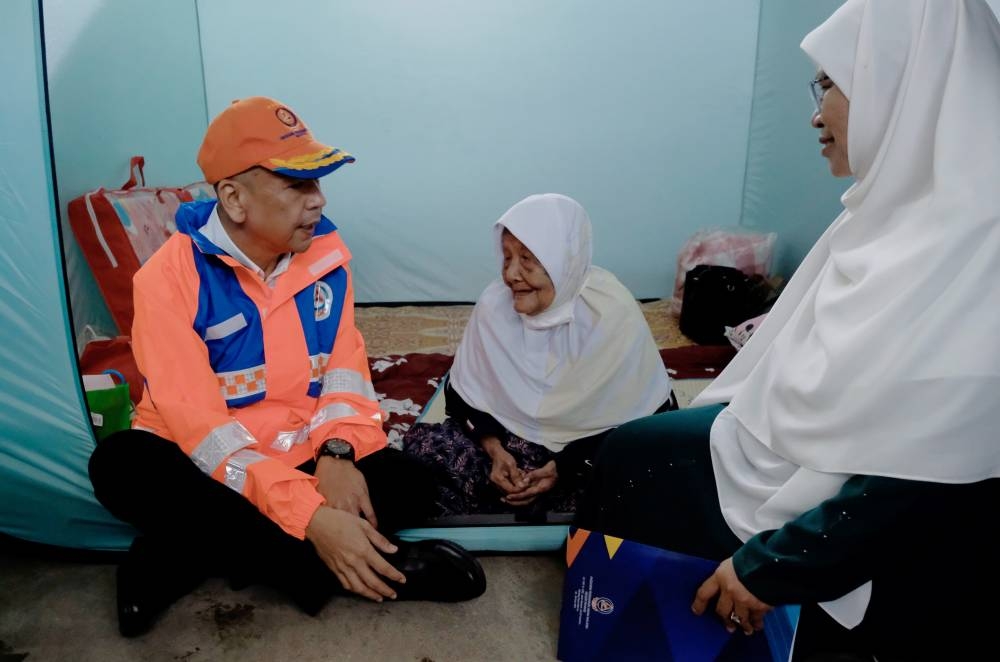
250 379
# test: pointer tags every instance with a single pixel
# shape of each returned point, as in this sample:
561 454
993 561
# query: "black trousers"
660 490
198 527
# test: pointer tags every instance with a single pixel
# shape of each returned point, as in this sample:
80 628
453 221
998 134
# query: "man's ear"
232 195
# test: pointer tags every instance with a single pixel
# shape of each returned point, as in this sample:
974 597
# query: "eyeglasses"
817 90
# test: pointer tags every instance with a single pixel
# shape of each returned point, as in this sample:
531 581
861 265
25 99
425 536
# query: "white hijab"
585 364
881 357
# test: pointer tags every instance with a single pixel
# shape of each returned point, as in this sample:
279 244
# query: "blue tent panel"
45 435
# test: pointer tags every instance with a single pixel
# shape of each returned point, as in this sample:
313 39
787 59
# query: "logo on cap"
286 116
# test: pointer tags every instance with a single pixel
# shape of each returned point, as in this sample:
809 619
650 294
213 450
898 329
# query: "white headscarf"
881 357
585 364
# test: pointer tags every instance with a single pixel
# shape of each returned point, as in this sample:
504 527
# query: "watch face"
338 448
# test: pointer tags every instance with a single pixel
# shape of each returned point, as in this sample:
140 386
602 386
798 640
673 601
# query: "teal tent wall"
456 110
45 437
124 78
788 188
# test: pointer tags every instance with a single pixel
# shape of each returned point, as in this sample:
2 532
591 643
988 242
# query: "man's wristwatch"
337 448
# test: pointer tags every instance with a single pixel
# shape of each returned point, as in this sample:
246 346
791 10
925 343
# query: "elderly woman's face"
831 120
527 279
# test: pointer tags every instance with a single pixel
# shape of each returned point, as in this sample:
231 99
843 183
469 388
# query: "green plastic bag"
110 408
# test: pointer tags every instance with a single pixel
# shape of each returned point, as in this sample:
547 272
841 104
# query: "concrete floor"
61 610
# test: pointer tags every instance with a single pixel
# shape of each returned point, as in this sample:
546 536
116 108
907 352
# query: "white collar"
215 232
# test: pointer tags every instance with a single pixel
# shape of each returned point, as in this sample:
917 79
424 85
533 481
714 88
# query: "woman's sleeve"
476 424
837 546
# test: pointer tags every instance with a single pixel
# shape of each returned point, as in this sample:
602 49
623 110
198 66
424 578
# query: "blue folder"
627 601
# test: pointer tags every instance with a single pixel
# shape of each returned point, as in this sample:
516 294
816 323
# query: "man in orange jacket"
258 450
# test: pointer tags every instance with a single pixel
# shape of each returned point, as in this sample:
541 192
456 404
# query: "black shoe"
437 570
148 581
135 613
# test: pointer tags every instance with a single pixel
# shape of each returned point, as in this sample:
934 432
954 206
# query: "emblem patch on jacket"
322 300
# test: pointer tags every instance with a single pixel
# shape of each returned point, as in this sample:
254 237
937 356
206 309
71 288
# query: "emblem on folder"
602 605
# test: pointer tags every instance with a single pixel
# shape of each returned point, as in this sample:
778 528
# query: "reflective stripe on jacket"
249 378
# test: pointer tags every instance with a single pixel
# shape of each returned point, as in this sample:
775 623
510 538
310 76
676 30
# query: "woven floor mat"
438 329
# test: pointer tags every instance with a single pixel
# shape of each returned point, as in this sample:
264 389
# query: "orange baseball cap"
259 131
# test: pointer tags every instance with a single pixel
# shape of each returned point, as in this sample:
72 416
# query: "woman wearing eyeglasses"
848 458
831 119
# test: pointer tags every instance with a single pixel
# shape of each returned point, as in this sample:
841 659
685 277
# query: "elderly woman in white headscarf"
556 354
848 456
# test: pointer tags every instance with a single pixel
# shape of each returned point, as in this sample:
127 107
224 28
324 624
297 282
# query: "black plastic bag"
716 297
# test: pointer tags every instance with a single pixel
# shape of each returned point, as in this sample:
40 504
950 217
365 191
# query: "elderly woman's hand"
504 473
736 606
538 482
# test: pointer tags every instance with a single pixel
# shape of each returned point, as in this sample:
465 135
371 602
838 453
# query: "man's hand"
349 546
537 482
736 606
505 473
344 487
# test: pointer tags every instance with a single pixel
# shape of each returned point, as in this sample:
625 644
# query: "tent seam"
753 103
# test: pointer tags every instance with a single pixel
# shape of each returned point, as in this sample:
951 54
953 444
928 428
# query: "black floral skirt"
462 469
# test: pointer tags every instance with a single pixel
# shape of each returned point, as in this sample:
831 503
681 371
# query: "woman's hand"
537 482
504 473
736 606
349 546
344 487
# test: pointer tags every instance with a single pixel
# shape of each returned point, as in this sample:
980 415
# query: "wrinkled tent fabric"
45 436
